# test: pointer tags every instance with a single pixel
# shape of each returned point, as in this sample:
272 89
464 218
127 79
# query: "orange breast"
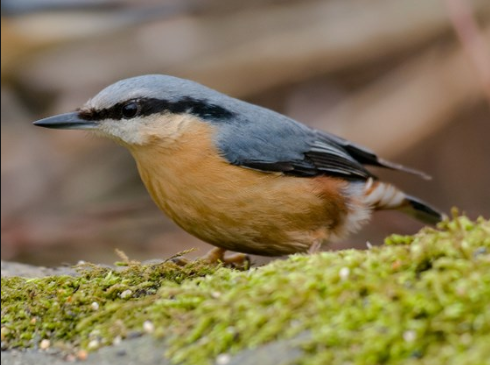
233 207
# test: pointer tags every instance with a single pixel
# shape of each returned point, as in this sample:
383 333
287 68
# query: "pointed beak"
66 121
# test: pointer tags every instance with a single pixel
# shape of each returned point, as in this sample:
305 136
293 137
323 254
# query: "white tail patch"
380 195
362 199
358 212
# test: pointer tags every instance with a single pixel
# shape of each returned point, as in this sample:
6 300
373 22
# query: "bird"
239 176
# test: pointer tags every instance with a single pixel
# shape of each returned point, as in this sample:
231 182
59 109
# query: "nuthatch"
236 175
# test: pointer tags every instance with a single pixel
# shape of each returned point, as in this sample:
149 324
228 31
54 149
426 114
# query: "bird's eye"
130 110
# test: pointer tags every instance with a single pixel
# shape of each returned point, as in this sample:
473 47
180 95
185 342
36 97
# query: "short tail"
385 196
421 211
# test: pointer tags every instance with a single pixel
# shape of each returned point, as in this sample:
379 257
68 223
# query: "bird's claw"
237 260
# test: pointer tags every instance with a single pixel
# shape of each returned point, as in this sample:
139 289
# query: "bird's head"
143 109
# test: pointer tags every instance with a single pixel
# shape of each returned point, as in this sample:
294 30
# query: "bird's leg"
315 247
318 236
218 255
214 255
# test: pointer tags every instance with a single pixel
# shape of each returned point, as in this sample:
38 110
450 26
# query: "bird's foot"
237 260
179 258
179 261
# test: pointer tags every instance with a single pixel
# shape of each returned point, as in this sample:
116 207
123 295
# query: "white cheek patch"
127 131
143 130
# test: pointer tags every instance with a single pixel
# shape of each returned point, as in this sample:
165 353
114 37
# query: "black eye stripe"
148 106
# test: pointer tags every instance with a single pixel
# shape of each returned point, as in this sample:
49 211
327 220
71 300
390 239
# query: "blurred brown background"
408 78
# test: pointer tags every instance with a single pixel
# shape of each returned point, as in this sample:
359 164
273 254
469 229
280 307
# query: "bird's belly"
250 211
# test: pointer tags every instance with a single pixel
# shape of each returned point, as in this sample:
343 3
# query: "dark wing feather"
329 158
368 157
261 139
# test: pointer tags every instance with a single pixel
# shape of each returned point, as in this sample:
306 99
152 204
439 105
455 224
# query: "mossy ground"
420 299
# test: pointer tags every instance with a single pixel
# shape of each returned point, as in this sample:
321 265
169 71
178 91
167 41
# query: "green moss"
66 308
421 299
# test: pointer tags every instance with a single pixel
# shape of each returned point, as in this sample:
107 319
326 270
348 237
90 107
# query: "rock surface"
142 351
30 271
146 351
